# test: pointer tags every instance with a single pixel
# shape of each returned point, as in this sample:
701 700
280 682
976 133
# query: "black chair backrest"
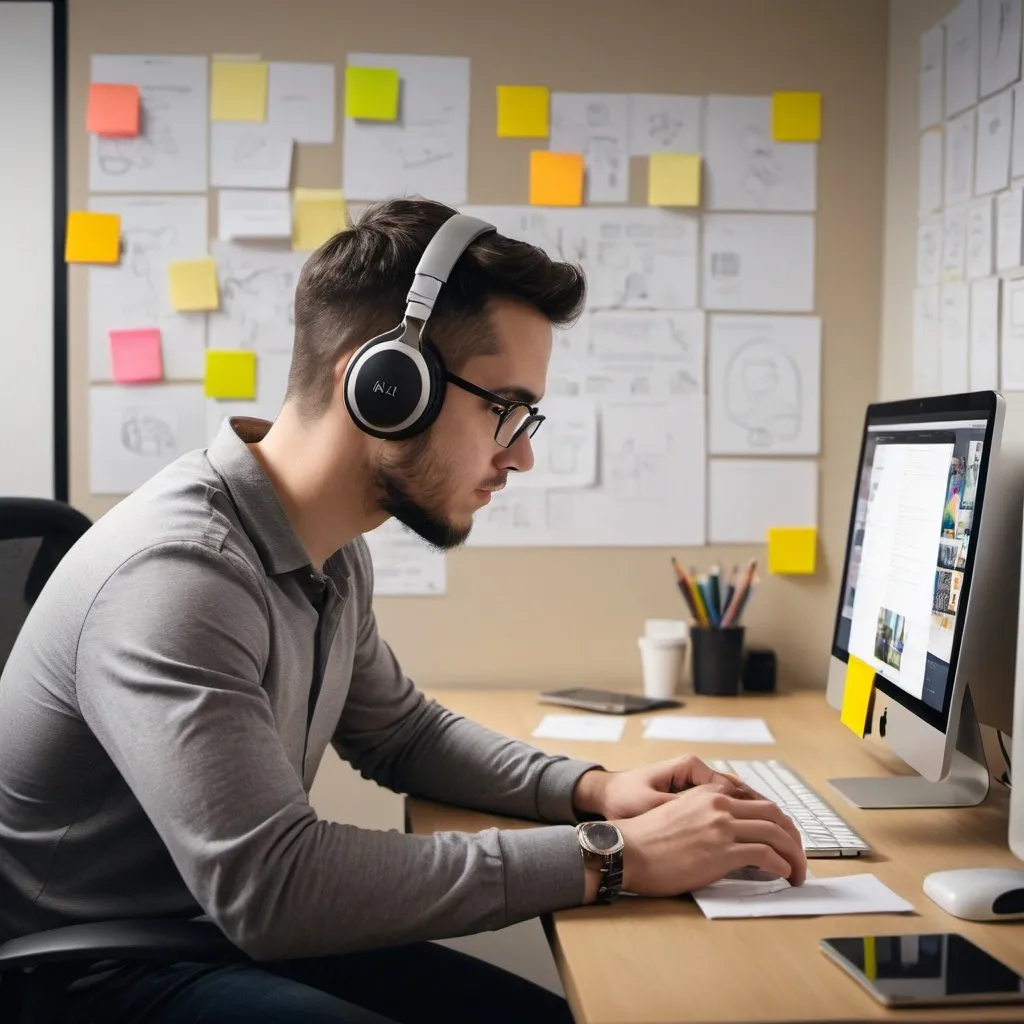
35 534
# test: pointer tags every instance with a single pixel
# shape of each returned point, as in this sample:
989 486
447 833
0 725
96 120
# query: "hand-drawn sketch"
148 433
119 157
959 162
637 473
565 448
596 125
664 124
929 249
999 45
764 392
249 156
954 243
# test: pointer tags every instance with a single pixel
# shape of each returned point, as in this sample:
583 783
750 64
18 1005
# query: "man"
166 706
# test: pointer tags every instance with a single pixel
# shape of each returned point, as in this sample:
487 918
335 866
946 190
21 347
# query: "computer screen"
909 552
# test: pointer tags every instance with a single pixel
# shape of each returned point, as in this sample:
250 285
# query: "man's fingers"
770 834
760 855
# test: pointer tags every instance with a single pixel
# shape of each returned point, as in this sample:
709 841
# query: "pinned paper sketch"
980 235
984 335
746 497
930 97
954 243
959 162
249 155
954 359
961 73
253 213
403 563
746 169
765 385
169 153
596 125
257 298
1012 335
929 172
999 44
271 383
155 231
993 143
1010 228
565 447
925 340
300 100
664 124
929 249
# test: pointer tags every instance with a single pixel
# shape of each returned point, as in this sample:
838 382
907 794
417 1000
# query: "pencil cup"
717 660
662 661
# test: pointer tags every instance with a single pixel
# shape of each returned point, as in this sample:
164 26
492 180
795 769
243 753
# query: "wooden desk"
661 960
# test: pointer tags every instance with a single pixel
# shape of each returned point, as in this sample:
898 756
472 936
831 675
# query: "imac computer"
929 595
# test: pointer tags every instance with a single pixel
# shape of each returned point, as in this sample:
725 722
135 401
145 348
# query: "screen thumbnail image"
889 637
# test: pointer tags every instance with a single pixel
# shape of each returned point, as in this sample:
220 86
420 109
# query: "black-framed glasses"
515 418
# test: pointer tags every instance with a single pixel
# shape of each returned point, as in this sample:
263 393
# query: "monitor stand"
966 785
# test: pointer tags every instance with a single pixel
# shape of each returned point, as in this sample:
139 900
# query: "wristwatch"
604 840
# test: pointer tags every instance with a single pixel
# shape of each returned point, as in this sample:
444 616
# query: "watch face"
602 836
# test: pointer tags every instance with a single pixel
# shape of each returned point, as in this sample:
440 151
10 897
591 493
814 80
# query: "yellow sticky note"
193 285
371 93
230 373
92 238
238 90
673 179
317 214
523 111
556 179
792 549
857 693
796 116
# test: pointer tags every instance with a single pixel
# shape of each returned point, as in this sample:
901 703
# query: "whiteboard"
27 276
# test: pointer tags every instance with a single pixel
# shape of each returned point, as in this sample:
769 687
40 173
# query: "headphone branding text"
383 388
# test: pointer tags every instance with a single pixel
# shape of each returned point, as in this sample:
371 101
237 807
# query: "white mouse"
978 894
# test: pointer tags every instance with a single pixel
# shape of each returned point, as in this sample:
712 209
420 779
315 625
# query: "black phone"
606 701
936 969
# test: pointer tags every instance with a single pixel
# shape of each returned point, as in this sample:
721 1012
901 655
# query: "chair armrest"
141 939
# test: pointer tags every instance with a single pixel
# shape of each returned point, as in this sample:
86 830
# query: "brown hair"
355 285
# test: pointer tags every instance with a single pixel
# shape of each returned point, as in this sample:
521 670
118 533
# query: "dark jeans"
419 983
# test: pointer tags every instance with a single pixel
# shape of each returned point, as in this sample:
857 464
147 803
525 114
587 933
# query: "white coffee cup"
671 629
662 661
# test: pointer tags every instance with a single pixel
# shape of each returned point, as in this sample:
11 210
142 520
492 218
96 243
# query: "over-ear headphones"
395 383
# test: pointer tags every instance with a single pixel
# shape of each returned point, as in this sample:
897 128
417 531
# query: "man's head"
491 326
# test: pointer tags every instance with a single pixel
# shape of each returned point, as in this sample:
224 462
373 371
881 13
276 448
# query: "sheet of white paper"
1009 229
846 894
984 358
246 155
999 45
1011 341
961 79
707 729
747 496
745 884
135 431
271 383
257 297
253 213
954 242
980 238
169 153
601 728
300 100
155 230
425 151
926 340
746 169
929 182
954 338
660 123
930 94
596 125
959 162
404 564
764 385
565 448
992 148
929 249
1017 143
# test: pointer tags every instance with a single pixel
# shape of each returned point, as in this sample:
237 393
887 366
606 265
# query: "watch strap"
610 885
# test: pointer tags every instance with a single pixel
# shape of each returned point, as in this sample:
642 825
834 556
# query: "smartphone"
936 969
606 701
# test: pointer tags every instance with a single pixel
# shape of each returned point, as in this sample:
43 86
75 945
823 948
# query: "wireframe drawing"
156 139
260 302
145 252
146 433
637 472
253 151
641 265
759 173
764 392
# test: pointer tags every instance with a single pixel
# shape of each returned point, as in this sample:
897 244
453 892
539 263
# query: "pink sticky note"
135 355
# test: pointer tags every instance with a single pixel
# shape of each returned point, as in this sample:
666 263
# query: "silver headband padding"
441 254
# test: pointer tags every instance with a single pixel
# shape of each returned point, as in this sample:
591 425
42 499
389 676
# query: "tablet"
606 701
938 969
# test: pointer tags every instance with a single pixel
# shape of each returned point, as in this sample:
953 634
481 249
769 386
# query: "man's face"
434 483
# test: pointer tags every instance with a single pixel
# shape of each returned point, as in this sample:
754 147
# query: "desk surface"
662 960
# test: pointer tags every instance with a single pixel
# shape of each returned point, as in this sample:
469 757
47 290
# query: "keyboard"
823 832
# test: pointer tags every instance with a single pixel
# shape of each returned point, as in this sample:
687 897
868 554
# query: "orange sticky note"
792 549
135 356
113 110
796 116
556 179
230 373
523 111
193 285
857 695
92 238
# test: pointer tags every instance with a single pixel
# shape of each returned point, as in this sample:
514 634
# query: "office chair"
35 534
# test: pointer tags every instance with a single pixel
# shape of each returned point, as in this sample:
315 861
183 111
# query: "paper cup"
661 659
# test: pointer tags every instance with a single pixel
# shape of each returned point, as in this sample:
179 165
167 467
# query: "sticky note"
523 111
92 238
371 93
857 693
556 179
193 285
136 356
792 549
673 179
796 116
230 373
317 214
238 90
113 110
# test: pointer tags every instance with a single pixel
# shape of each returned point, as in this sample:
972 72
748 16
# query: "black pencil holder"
716 660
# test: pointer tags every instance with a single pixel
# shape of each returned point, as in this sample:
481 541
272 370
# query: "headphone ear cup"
438 386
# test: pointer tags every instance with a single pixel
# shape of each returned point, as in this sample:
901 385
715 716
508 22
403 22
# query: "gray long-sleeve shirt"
158 740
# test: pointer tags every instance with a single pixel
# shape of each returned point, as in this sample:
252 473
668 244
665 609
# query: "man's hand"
627 794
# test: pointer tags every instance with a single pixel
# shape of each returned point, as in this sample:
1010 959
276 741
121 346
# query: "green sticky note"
523 111
230 373
371 94
857 693
673 179
792 549
796 116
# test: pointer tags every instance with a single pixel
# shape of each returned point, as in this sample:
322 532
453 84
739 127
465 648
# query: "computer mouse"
978 894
